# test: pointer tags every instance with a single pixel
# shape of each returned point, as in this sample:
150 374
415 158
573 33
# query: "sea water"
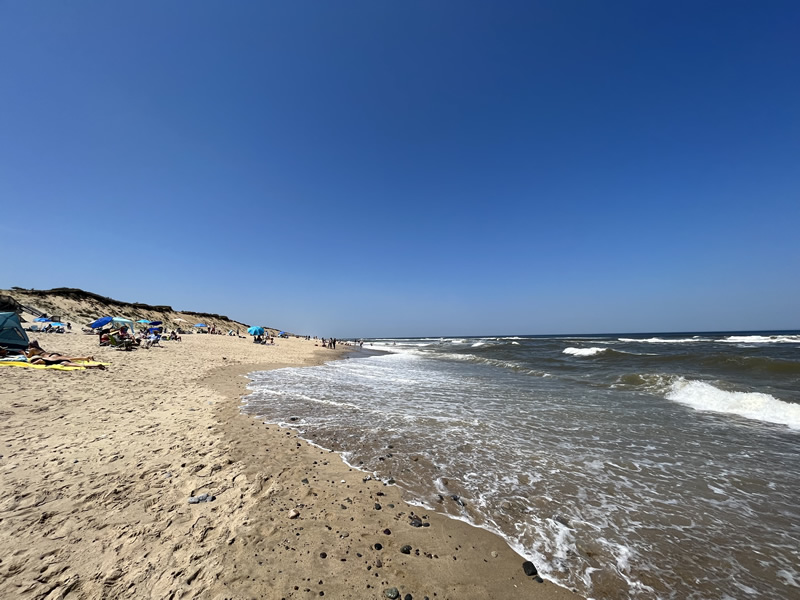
624 466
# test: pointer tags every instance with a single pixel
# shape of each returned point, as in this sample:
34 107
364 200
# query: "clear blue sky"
363 168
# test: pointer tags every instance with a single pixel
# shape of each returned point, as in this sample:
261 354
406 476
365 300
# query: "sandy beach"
97 468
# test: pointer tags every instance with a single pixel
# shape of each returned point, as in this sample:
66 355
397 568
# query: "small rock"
406 549
378 547
529 568
415 522
494 554
377 506
408 597
201 498
293 514
305 480
387 531
391 593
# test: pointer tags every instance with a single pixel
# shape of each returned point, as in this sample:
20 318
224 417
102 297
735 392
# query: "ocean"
624 466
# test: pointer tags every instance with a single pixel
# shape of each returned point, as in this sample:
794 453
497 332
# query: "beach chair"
120 344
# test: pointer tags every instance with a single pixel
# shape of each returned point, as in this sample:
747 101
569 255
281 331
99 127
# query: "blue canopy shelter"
122 322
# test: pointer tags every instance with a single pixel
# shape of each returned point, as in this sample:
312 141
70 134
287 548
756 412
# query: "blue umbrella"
255 330
155 322
42 320
100 322
58 324
143 321
201 325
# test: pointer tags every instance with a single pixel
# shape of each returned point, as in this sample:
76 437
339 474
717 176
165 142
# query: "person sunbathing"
36 355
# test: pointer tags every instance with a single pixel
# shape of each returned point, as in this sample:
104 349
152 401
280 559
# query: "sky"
387 169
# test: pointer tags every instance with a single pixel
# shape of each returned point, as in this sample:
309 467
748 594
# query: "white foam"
761 339
751 405
663 340
584 351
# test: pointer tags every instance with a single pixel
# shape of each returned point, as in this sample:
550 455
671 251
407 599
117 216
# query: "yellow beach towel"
7 363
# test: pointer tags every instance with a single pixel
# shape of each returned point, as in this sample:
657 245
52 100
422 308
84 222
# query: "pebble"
293 514
494 554
201 498
529 568
377 506
406 549
392 593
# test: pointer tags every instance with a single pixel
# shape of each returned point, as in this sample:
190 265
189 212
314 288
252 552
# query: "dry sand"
97 467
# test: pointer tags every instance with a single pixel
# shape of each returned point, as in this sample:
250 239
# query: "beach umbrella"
58 324
201 325
100 322
143 321
181 320
255 330
155 322
42 320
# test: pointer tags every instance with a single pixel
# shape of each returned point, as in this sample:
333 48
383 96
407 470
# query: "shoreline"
99 466
486 547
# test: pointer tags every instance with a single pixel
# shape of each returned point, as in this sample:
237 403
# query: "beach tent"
11 333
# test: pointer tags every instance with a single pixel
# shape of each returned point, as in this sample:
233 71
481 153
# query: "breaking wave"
703 396
584 351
